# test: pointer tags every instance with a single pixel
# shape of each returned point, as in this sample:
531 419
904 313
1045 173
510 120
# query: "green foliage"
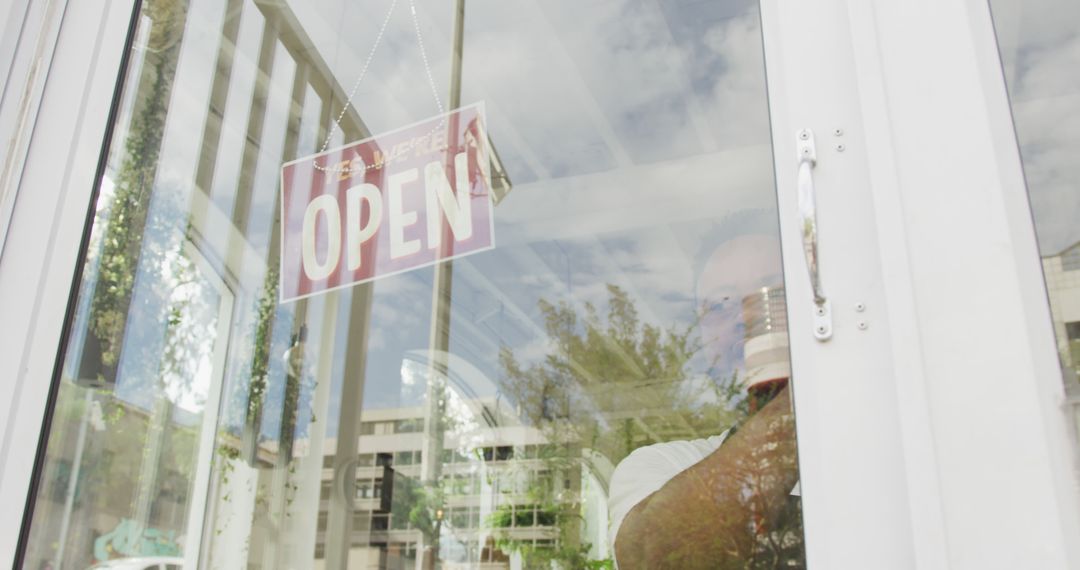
608 365
228 452
503 517
615 365
419 504
562 555
127 214
260 359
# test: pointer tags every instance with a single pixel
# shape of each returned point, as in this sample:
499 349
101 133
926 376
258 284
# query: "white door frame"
49 212
934 436
931 437
27 39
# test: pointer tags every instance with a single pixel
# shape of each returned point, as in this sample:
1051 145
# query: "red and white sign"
387 204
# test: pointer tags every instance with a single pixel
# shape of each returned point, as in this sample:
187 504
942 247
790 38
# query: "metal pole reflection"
439 343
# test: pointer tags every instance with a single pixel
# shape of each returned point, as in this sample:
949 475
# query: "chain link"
363 73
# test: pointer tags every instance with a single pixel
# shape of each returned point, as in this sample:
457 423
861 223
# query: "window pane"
458 335
1039 42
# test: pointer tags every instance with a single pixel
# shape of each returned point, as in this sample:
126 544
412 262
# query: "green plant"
607 364
260 359
127 214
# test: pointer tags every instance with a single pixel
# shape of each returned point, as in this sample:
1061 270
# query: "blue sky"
635 133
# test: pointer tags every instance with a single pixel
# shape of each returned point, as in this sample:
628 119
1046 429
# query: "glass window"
333 244
1039 41
1070 260
399 523
1072 357
409 426
524 515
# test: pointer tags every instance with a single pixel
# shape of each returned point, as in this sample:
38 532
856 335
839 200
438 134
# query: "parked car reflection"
141 563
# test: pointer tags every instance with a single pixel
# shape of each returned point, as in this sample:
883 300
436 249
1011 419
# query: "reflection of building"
492 480
1063 284
141 488
1062 272
766 349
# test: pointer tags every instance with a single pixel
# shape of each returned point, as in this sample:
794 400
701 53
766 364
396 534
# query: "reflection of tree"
129 211
610 384
553 509
423 506
614 383
108 476
141 454
190 333
258 379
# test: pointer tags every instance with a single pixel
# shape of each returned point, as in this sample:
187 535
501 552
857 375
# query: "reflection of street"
129 538
107 481
142 563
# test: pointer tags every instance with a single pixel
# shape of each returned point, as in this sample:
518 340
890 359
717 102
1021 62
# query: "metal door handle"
807 157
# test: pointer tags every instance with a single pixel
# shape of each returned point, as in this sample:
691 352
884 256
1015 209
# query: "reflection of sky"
1040 49
167 355
570 87
665 268
635 133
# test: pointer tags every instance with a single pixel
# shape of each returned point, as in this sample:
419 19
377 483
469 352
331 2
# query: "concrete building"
1062 273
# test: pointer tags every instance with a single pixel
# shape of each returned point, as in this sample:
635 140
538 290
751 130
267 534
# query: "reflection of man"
718 502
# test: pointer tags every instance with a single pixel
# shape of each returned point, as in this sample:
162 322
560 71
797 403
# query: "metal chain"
363 73
423 54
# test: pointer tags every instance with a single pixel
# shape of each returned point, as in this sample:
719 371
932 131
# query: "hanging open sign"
386 204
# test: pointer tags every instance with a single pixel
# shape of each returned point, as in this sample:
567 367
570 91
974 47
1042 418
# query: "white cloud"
1046 109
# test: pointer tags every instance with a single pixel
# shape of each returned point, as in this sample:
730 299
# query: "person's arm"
713 514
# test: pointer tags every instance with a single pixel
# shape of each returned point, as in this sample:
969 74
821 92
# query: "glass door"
414 284
1039 43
